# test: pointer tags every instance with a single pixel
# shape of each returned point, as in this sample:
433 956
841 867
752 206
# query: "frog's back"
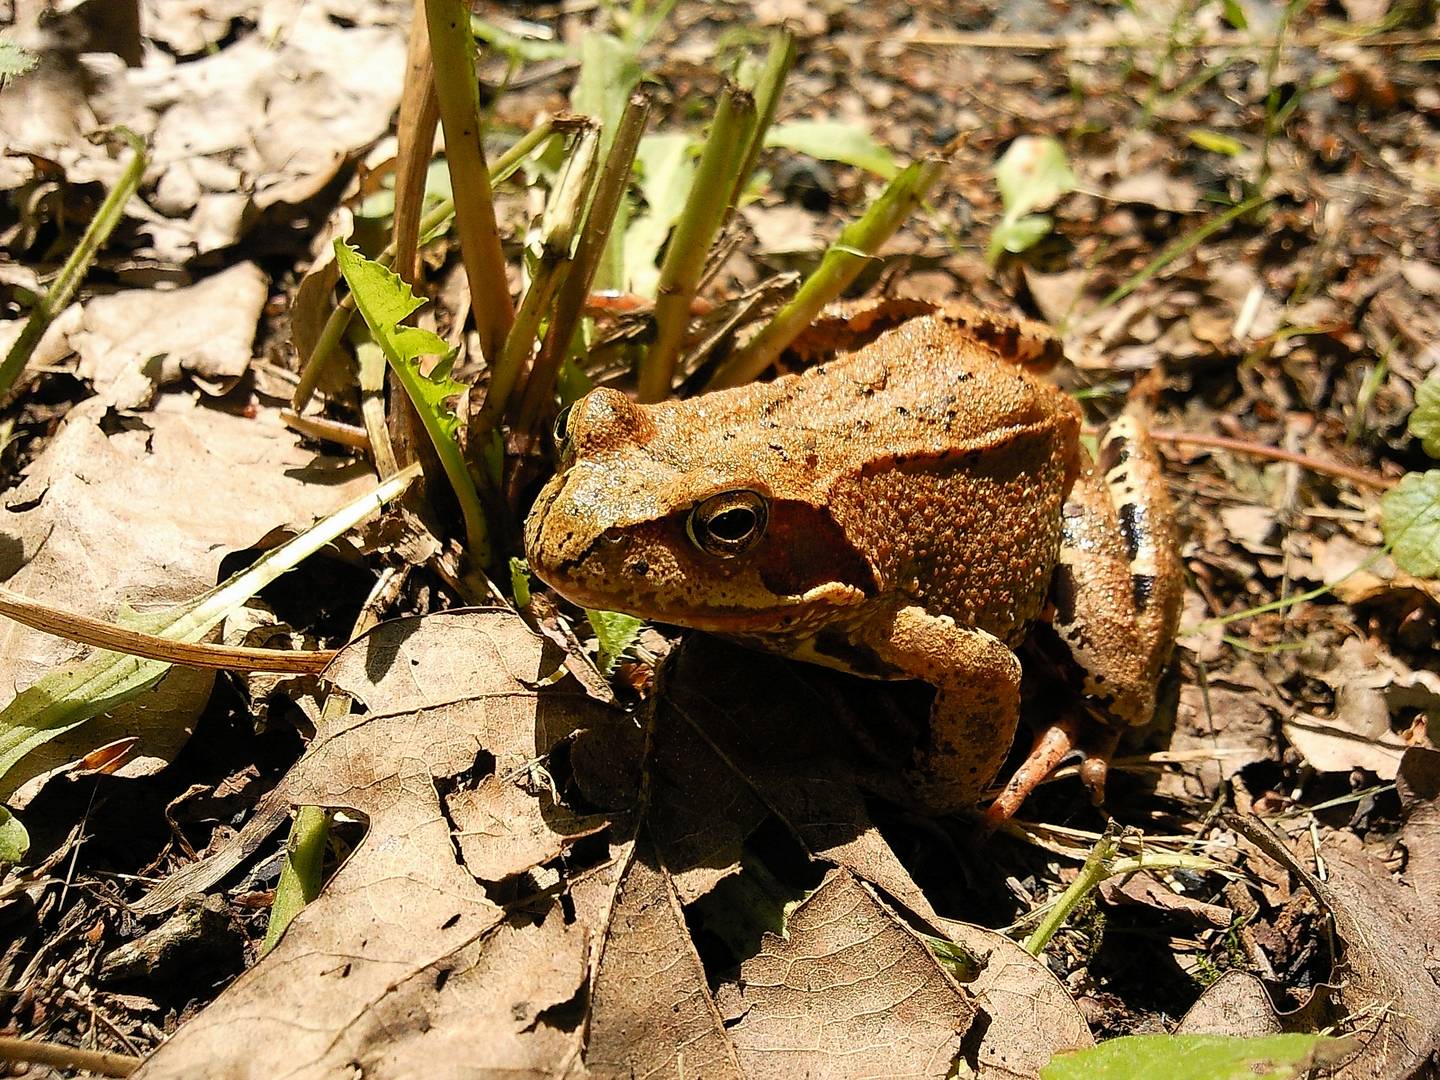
946 465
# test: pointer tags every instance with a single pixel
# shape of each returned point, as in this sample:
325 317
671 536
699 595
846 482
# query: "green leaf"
1032 175
15 60
1020 235
1234 14
520 582
666 165
614 632
14 840
68 697
1215 141
1198 1057
1425 419
609 70
517 47
385 300
1410 520
831 140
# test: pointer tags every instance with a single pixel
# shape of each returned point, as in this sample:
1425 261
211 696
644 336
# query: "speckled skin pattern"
916 502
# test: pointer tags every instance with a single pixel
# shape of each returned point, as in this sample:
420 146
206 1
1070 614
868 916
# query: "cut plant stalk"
415 132
694 233
452 48
300 873
339 320
73 272
842 263
779 59
570 302
552 262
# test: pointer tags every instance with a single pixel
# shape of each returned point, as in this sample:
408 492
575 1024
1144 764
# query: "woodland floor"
1305 323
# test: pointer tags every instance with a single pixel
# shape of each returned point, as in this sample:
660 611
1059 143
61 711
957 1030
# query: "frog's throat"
778 612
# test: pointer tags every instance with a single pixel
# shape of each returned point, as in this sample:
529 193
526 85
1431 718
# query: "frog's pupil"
733 524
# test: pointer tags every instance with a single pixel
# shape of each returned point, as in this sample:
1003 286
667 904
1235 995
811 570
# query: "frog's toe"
1095 743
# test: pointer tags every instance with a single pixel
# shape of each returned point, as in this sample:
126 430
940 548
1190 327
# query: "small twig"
1041 42
104 635
60 1056
1355 474
320 427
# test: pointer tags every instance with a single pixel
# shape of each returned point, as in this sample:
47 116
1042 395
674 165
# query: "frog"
919 505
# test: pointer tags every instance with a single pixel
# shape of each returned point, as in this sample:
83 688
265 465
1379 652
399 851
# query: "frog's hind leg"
1116 594
977 701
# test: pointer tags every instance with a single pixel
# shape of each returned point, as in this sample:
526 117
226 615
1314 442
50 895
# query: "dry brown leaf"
134 342
1234 1004
384 969
849 991
143 516
1419 785
1359 734
1028 1015
269 118
1385 982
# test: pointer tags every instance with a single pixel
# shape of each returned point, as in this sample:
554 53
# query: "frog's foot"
1095 742
977 702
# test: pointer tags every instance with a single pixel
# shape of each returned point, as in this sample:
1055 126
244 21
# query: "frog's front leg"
1116 593
977 701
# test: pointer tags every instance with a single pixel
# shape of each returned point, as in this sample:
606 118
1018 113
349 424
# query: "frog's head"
664 511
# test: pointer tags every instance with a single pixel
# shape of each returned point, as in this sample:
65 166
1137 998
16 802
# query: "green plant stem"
842 263
1173 251
778 61
705 210
551 266
73 272
452 48
300 874
1095 870
339 320
570 303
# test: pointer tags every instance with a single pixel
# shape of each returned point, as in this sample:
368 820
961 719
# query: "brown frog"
907 511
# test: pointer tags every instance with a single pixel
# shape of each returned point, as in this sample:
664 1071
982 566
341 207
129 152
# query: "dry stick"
60 1056
705 208
574 293
1353 473
335 431
415 132
1314 39
122 639
339 320
452 47
62 289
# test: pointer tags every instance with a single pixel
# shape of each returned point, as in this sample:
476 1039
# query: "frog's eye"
562 421
728 524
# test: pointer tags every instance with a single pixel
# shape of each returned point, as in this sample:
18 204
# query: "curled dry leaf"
454 755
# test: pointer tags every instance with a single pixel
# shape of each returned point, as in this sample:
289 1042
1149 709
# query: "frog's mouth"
777 615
